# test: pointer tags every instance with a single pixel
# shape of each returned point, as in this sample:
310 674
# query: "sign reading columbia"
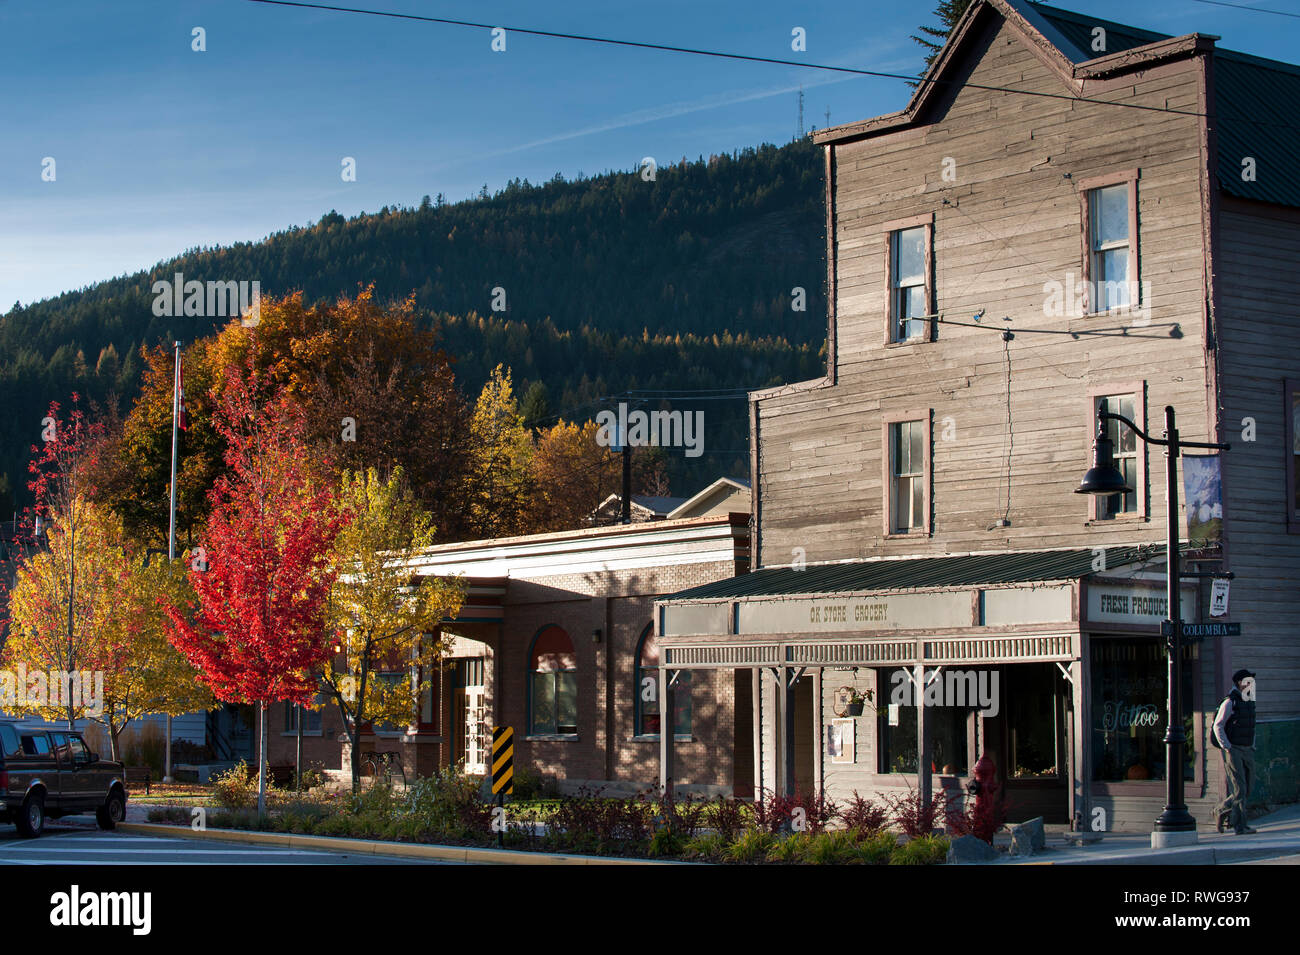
22 689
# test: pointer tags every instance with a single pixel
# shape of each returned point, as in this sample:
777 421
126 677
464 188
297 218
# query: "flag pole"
171 521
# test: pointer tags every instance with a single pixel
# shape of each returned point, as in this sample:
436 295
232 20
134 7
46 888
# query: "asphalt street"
67 842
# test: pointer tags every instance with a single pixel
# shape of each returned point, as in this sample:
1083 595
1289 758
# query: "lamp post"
1175 826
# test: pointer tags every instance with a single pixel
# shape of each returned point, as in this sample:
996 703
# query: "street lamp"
1175 826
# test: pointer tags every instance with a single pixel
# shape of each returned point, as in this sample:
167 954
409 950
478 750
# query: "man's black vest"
1240 726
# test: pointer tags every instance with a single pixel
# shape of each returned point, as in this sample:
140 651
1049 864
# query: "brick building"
555 639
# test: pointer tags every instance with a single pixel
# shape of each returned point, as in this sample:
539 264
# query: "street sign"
1218 597
503 760
1199 631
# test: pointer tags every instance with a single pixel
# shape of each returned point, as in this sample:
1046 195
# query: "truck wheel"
31 818
112 812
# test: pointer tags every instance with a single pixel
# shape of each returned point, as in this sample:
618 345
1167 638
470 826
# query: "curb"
1191 855
409 850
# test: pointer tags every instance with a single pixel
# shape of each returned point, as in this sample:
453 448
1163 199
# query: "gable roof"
721 487
1254 98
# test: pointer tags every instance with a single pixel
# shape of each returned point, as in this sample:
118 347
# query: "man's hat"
1241 675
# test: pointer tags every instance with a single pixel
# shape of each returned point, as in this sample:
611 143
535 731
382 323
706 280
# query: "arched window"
552 684
646 691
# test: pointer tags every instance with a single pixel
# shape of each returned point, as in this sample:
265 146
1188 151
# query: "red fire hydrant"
982 783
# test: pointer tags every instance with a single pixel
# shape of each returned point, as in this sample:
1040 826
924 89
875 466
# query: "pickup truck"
47 772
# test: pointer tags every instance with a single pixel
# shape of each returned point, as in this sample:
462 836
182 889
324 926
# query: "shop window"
1033 720
1110 228
1129 708
1292 446
907 483
898 750
646 691
553 684
1130 453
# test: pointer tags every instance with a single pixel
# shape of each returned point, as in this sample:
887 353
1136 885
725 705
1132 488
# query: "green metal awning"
909 573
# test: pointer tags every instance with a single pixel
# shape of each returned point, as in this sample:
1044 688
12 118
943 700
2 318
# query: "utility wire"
1242 6
553 34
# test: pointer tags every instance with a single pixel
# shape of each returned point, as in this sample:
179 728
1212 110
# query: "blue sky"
159 148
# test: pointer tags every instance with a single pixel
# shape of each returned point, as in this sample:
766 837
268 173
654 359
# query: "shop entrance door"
470 715
1034 744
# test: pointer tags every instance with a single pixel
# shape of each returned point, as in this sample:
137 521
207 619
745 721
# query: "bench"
135 775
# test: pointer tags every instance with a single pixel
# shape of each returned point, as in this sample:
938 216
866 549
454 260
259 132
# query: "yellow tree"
145 673
499 460
65 593
385 620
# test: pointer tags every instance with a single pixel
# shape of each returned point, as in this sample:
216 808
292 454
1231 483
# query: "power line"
734 56
1242 6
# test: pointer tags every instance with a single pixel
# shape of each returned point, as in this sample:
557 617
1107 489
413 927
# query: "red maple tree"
257 634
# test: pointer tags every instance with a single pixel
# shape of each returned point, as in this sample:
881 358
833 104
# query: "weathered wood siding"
1258 282
1013 223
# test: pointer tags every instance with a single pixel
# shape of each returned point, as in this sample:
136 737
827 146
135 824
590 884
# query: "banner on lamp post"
1203 492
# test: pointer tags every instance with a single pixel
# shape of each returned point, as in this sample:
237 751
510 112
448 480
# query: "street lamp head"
1103 477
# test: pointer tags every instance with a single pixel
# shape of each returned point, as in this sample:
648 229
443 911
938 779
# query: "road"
68 842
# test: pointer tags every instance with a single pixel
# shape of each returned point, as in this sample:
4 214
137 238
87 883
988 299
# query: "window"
553 684
38 744
907 474
312 722
910 279
1110 227
1130 709
646 691
9 744
1130 453
391 681
946 725
1293 454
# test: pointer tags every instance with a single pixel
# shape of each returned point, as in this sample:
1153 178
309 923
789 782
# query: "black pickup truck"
47 773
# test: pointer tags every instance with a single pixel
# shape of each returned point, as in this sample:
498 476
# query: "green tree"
933 38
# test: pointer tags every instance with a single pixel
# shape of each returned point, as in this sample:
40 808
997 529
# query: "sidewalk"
1278 836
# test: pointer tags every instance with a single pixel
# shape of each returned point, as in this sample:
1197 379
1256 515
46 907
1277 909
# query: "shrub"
802 811
728 817
752 846
877 848
528 785
925 850
788 849
708 847
234 789
831 848
864 817
914 816
665 842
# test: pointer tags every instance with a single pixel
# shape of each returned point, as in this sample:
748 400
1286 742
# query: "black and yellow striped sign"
503 760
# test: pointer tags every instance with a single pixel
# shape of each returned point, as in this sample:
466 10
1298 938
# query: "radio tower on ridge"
800 111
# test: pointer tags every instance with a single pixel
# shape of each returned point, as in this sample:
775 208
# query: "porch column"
1081 757
923 778
665 729
785 703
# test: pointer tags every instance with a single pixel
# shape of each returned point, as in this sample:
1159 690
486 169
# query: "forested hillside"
610 284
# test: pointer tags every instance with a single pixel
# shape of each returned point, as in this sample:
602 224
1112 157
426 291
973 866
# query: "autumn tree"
499 458
64 588
572 473
256 630
383 617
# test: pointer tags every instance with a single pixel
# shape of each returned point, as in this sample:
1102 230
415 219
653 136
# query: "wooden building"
1067 210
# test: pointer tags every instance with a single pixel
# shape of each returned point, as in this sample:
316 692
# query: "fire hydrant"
982 778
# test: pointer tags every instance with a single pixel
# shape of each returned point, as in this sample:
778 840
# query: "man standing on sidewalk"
1234 729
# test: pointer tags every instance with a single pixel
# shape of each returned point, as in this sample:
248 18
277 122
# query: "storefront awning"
906 573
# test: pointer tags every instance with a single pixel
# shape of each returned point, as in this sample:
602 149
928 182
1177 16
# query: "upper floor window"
646 687
907 483
553 684
1110 226
910 279
311 717
1130 454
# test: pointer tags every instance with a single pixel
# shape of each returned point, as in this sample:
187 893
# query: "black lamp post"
1104 478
